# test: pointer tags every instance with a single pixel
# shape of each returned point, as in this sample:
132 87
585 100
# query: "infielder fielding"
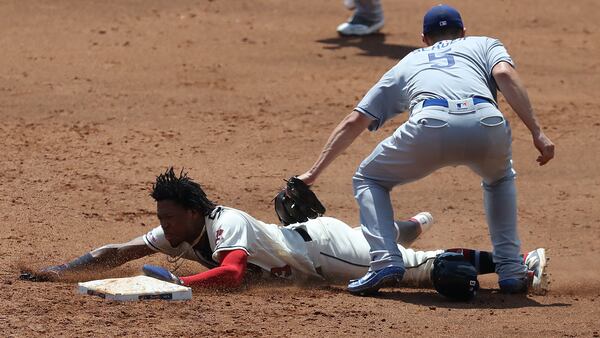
449 87
233 244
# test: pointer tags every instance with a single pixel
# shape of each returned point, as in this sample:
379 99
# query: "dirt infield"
97 97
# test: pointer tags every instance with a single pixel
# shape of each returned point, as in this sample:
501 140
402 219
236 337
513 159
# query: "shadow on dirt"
371 45
486 299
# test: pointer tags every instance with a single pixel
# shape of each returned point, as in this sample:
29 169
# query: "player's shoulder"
482 40
479 38
226 215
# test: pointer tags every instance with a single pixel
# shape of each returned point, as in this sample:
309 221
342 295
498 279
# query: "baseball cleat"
424 219
359 26
349 4
537 262
513 285
370 283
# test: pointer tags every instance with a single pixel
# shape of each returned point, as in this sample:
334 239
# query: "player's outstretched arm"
229 274
511 86
340 138
100 259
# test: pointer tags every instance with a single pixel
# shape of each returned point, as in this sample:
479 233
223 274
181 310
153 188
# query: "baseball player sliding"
233 244
449 87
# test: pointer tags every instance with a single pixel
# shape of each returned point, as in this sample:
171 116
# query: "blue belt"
444 102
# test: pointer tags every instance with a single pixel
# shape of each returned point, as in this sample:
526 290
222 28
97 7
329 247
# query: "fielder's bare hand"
544 146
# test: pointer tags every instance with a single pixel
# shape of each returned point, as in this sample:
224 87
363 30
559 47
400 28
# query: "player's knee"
358 185
361 183
507 177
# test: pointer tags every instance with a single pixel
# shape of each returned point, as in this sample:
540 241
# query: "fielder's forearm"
513 89
339 140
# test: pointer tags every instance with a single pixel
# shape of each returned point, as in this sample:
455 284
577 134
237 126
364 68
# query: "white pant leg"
343 251
344 254
418 265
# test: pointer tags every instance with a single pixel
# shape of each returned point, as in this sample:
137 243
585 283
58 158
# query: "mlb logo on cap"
441 16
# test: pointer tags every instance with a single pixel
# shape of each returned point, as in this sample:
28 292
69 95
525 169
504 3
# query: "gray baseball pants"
432 138
369 9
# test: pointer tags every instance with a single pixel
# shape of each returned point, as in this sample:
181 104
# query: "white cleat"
425 220
537 262
358 26
350 4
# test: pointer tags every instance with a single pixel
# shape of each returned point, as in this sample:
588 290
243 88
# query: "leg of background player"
410 230
369 9
367 19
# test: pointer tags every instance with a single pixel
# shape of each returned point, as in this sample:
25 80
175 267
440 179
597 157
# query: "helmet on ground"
454 277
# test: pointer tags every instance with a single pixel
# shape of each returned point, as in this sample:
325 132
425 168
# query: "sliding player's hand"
161 273
49 274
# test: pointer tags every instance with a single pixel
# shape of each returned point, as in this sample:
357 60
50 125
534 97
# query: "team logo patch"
461 105
219 235
464 105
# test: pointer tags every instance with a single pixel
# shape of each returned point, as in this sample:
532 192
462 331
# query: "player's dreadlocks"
182 190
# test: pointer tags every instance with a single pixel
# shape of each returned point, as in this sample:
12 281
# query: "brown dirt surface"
97 97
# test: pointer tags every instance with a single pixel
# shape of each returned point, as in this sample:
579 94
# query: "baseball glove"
297 203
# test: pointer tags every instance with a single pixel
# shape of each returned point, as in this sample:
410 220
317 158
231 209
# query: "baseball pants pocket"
430 122
492 121
429 118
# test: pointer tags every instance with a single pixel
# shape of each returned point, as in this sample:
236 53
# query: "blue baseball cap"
441 16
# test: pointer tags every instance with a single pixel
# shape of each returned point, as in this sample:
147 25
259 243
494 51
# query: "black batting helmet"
454 277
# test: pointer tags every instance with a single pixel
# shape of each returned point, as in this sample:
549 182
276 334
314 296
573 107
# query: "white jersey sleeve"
495 53
230 233
155 240
386 99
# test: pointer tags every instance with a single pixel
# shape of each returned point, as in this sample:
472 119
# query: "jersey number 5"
443 60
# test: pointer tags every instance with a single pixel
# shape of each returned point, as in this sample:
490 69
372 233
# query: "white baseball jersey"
335 252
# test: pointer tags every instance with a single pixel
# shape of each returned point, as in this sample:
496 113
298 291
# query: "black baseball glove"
297 203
